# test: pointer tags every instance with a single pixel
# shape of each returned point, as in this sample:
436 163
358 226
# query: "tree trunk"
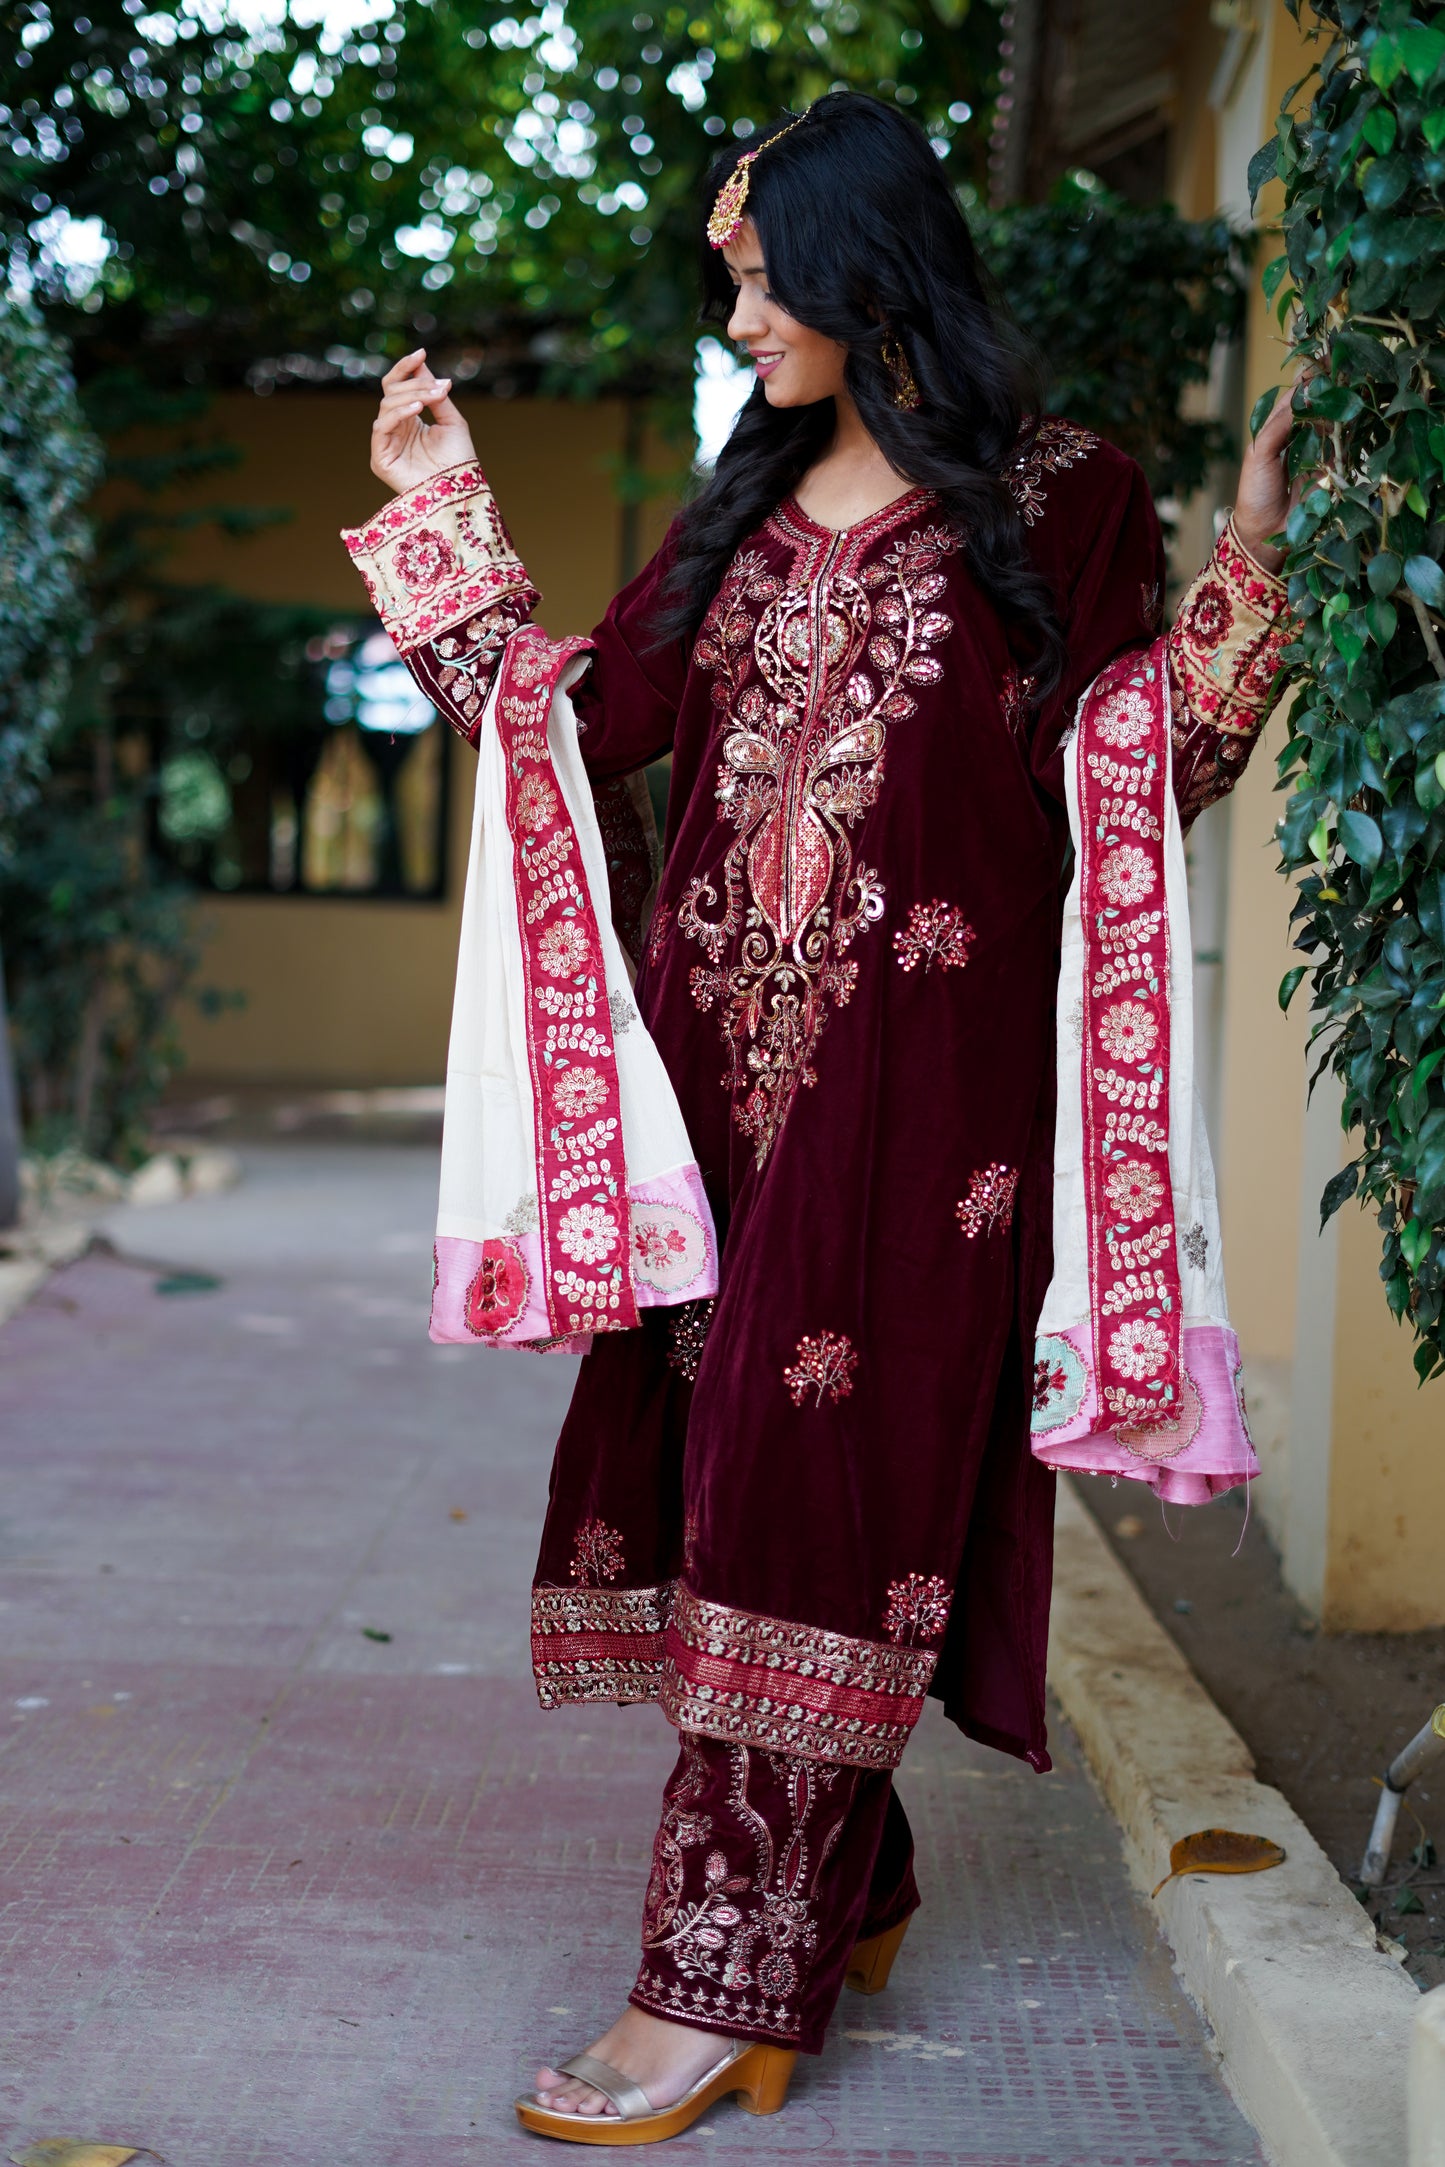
9 1124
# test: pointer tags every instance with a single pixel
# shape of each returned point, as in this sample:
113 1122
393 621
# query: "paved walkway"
275 1893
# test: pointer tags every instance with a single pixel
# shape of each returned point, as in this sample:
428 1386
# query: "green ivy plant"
1361 285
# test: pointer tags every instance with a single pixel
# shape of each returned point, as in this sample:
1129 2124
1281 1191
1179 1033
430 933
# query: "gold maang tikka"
731 206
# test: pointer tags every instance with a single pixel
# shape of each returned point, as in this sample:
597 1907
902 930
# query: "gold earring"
906 395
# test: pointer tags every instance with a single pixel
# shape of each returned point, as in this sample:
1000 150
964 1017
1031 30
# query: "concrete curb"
1427 2083
52 1238
38 1252
1312 2019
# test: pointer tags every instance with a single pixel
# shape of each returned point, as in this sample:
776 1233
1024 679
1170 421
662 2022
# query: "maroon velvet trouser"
766 1870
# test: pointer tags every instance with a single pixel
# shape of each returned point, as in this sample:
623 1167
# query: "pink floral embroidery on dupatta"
1133 1265
497 1293
584 1227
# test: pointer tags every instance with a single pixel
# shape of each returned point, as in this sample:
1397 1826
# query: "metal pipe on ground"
1427 1745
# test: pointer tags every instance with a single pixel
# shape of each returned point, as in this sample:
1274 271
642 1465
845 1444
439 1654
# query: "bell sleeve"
1223 650
448 586
447 583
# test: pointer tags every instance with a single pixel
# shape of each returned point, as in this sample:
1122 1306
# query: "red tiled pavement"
275 1894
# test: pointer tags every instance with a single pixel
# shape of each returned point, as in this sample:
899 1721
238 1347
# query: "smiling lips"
765 363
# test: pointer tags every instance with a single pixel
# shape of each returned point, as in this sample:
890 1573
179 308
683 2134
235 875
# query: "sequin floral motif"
1053 447
596 1555
935 933
917 1608
810 674
825 1364
687 1336
990 1200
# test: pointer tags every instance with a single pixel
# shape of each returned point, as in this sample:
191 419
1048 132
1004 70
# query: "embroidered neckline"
877 522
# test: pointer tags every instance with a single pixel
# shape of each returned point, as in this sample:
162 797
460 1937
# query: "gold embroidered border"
1225 644
790 1688
598 1644
437 554
714 2009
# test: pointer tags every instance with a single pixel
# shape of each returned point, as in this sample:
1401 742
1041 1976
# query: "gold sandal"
872 1960
760 2073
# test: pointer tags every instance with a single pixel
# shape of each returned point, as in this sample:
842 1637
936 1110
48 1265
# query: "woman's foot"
665 2059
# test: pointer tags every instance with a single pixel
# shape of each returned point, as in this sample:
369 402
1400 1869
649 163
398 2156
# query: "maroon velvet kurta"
790 1514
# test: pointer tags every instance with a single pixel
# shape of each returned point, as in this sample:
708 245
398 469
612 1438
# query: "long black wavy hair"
865 242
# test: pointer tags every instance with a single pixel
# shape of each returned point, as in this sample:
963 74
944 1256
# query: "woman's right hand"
405 449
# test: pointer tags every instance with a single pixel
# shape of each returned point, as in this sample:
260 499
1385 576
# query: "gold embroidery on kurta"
810 671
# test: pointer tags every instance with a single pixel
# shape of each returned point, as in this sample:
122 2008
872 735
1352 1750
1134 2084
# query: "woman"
789 1515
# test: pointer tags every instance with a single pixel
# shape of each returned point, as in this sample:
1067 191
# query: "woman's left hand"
1264 496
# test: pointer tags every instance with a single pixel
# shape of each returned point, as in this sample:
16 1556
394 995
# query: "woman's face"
796 366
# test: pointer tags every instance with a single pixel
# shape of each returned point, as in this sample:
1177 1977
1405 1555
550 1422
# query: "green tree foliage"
519 190
102 941
1128 304
1364 829
49 464
520 184
101 948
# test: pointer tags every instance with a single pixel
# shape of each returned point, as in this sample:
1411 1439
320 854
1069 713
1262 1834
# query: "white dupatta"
570 1197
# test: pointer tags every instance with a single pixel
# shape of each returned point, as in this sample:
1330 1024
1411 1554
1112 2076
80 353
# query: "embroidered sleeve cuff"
438 554
1225 646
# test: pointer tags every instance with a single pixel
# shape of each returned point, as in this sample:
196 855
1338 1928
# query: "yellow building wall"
1383 1567
355 991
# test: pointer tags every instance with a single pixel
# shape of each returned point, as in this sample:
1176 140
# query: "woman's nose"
746 320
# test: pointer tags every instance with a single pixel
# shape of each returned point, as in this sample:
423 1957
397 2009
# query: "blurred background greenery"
202 202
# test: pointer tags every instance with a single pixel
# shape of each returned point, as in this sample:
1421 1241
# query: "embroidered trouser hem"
766 1870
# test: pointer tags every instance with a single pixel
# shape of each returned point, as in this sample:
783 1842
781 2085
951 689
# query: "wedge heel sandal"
872 1960
759 2074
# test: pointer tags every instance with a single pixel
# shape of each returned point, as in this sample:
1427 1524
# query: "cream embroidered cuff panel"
446 582
1224 650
